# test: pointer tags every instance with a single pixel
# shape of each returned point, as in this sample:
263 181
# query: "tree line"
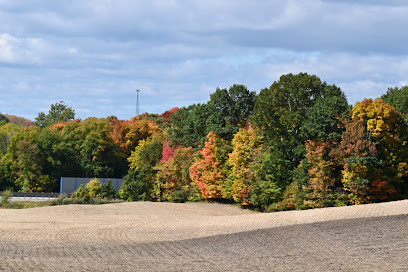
297 144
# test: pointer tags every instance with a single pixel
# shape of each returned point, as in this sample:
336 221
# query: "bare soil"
145 236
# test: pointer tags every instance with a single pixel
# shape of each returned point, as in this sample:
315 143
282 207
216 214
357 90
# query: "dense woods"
297 144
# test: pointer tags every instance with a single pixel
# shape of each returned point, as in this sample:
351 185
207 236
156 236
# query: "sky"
95 54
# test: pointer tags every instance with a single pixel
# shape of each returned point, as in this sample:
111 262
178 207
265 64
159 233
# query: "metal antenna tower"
137 102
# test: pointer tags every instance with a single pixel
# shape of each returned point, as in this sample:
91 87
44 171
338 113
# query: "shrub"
134 188
107 190
81 193
5 197
293 198
265 193
94 187
178 196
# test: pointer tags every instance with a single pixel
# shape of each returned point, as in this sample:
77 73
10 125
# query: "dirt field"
146 236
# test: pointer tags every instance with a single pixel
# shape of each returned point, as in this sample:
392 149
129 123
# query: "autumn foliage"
167 114
321 173
246 143
209 171
127 133
295 145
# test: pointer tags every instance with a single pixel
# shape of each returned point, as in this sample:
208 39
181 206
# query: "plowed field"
145 236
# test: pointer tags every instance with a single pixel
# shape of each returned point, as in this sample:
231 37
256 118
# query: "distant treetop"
58 112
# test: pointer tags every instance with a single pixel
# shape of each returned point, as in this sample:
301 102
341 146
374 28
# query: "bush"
293 198
194 193
5 197
91 201
107 190
94 189
178 196
265 193
134 188
62 197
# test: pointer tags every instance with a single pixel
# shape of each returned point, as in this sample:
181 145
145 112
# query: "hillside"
19 120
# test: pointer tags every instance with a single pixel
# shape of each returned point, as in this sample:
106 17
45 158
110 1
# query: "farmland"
148 236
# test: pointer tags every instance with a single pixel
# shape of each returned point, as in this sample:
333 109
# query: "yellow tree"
381 118
390 163
387 125
246 143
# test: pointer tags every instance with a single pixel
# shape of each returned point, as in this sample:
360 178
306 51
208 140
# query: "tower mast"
137 102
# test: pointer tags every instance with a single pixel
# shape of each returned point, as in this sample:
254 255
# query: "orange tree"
210 170
127 133
322 178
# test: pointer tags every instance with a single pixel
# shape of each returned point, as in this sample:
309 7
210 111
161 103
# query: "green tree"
94 147
7 131
325 119
225 113
37 154
58 157
189 126
229 110
107 190
138 184
58 112
282 111
398 97
271 174
27 162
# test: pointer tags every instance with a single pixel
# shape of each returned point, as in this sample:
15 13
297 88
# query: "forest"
295 145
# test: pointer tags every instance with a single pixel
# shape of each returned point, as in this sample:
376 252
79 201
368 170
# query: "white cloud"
30 51
6 48
177 52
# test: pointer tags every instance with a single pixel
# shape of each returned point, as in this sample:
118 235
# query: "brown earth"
145 236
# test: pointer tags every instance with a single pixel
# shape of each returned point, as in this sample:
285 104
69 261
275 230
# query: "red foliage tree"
167 114
168 151
209 171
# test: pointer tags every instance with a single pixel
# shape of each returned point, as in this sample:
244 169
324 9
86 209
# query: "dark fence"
46 195
70 184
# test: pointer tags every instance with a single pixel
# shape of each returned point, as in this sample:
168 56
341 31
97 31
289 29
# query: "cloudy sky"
94 54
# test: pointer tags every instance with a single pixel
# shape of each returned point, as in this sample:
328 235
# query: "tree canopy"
297 144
